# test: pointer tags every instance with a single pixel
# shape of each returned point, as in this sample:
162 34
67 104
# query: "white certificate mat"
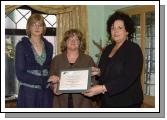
74 81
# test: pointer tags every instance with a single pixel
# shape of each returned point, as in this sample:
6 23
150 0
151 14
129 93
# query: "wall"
97 17
95 27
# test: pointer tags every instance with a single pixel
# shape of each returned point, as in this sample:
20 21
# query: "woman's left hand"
95 90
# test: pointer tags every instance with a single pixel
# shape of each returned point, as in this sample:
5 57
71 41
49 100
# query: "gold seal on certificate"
74 80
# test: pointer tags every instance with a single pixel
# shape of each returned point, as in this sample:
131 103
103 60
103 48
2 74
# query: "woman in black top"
120 66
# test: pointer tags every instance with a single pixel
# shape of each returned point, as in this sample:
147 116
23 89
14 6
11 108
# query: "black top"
70 99
71 64
121 75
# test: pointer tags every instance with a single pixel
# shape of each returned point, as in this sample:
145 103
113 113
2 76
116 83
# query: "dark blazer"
61 62
121 75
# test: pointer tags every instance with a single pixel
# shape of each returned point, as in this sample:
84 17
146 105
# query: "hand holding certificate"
74 80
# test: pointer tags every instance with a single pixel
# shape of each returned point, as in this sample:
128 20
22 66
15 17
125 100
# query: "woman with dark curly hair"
120 66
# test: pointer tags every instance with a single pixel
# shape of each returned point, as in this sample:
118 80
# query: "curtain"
74 19
68 16
49 9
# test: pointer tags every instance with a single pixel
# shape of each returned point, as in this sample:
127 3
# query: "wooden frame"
149 101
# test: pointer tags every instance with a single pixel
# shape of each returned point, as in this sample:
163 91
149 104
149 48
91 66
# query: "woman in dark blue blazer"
32 64
120 67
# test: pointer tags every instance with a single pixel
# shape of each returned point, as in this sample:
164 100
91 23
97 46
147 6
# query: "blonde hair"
70 33
31 20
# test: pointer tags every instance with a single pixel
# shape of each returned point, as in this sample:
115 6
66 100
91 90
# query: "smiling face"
118 31
73 42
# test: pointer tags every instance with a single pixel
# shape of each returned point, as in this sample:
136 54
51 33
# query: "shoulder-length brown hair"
70 33
31 20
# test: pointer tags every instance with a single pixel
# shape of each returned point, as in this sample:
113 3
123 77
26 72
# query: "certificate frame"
74 71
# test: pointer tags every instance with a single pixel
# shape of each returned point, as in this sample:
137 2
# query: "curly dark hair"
128 22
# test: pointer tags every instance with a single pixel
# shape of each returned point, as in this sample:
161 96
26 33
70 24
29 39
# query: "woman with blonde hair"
33 59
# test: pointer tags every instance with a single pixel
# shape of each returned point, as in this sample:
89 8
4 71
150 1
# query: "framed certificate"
74 80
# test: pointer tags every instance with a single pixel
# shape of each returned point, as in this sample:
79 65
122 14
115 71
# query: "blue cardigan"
25 60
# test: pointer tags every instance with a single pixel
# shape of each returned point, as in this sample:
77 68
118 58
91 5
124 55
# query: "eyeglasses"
73 38
37 25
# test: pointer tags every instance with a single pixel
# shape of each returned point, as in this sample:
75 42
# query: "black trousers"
70 101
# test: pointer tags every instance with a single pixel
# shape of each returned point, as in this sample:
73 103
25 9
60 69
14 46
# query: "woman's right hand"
95 71
55 89
53 79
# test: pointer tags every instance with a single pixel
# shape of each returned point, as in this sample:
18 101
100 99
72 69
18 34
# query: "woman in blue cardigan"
33 59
